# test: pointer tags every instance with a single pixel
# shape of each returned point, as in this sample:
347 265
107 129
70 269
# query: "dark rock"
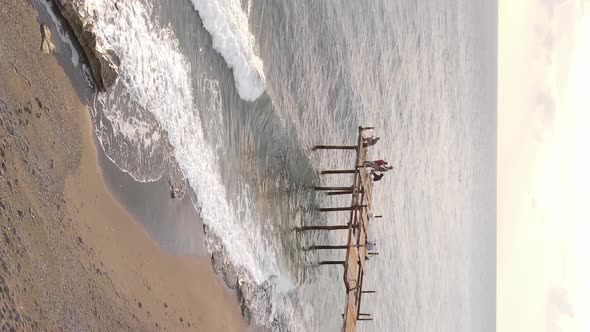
104 62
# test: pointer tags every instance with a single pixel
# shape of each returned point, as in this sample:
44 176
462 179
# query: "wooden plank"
340 171
335 147
327 228
341 208
332 188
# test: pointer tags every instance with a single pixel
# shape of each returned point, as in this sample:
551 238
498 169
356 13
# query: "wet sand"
71 257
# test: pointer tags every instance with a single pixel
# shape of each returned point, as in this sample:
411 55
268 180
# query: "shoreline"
76 256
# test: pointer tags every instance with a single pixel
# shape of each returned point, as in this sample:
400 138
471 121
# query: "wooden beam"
324 247
342 208
340 192
334 147
332 262
331 188
340 171
327 228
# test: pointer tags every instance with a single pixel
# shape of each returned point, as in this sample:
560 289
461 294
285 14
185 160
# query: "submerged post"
331 262
340 171
331 188
340 192
324 247
343 208
334 147
327 228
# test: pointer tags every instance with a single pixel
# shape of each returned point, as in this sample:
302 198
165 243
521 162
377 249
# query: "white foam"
157 76
228 25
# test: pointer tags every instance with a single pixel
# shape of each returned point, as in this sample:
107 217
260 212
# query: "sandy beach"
72 258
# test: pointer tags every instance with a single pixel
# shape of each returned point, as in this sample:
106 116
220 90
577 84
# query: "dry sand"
71 258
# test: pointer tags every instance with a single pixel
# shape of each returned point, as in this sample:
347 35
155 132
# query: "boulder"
104 62
46 44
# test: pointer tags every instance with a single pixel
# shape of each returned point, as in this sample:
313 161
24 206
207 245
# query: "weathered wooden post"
340 192
327 228
320 188
339 171
334 147
342 208
332 262
325 247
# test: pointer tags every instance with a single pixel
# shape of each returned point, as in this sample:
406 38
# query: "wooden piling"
332 262
320 188
335 147
327 228
341 192
342 208
326 247
339 171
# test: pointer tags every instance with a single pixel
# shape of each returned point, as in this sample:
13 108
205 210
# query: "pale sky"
543 166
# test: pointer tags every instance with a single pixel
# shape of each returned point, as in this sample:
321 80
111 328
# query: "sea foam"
228 25
155 76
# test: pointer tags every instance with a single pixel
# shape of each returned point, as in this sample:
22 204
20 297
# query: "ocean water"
234 94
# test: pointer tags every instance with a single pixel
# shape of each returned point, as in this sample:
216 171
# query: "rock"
177 189
104 62
46 44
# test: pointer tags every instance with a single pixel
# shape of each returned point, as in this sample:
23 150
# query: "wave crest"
228 26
